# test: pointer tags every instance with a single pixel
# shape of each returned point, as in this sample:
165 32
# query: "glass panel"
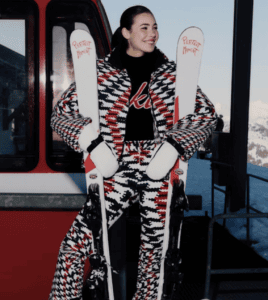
258 113
257 136
62 22
13 87
61 77
18 143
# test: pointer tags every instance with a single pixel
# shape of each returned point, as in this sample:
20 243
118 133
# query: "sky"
215 18
12 35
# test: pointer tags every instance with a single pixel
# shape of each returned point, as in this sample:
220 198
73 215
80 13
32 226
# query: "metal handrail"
209 253
248 202
216 188
210 237
221 163
260 178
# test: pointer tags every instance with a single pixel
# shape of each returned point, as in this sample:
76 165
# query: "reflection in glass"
13 88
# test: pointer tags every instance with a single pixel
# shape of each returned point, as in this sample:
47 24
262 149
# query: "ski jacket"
114 88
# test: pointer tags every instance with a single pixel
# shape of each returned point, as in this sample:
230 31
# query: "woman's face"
142 36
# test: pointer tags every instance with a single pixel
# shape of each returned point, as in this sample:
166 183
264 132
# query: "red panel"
30 242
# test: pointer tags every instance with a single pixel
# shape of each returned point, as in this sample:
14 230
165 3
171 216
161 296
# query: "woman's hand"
104 160
162 162
102 156
88 134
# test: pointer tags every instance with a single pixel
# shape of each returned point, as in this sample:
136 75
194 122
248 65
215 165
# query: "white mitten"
88 134
162 162
104 160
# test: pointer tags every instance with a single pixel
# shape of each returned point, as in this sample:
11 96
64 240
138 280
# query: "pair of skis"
189 52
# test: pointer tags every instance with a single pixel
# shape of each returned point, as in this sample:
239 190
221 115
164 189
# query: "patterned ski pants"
120 191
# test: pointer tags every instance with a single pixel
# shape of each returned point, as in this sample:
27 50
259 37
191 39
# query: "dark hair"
126 21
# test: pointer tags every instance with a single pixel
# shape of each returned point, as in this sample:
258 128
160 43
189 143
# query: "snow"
258 110
199 183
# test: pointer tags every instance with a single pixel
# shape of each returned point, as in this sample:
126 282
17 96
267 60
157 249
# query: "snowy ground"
199 183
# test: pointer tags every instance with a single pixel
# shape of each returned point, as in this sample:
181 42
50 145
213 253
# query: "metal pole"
212 191
240 100
248 237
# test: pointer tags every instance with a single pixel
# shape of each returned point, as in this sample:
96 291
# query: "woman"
135 150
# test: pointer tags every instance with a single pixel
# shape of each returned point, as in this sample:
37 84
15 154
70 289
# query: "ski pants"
120 190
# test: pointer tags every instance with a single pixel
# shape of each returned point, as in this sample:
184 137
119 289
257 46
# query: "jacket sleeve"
190 132
66 119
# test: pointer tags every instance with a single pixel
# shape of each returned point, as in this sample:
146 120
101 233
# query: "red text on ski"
138 99
195 43
80 52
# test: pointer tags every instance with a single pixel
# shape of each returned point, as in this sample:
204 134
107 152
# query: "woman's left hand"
162 162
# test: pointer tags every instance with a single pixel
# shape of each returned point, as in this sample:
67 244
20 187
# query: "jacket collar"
115 58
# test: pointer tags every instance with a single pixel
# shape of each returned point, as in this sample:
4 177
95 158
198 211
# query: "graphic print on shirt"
139 124
140 100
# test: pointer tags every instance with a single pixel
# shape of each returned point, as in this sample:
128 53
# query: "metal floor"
228 252
226 290
246 290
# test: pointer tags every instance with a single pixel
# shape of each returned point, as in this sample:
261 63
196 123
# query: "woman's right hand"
100 153
104 160
88 134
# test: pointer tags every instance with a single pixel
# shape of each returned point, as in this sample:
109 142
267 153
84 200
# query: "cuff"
88 134
94 143
177 146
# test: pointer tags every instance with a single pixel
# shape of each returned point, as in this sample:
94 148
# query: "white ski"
84 61
189 53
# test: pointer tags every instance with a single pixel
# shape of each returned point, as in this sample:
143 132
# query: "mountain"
258 144
257 141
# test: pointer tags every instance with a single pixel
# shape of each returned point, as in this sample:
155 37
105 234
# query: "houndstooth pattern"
162 93
120 191
66 120
114 89
148 274
75 248
192 130
131 182
114 92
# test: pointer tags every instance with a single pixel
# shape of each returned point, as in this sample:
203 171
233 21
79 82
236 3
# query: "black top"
139 123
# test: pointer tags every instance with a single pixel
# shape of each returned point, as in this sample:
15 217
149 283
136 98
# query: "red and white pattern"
192 130
129 182
148 273
114 90
74 250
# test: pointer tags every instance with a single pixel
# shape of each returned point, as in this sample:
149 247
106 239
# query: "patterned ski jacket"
114 88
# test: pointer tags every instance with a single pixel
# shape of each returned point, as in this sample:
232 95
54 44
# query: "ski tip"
190 35
193 30
80 34
82 42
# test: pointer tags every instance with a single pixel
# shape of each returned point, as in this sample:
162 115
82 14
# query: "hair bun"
117 38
